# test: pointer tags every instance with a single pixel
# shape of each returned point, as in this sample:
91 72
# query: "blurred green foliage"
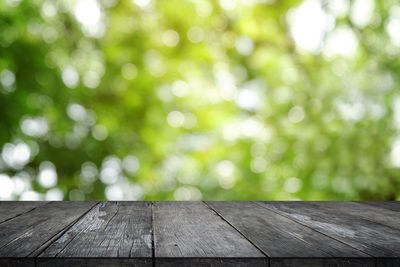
190 100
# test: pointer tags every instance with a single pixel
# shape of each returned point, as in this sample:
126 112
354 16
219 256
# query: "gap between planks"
290 218
24 212
46 244
237 230
153 249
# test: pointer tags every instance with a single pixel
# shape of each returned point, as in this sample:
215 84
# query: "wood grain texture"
191 230
279 236
372 213
373 238
11 209
111 229
390 205
272 234
22 235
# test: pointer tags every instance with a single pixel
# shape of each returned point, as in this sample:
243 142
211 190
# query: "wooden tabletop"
199 233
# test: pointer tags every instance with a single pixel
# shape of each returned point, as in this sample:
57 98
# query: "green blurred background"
199 100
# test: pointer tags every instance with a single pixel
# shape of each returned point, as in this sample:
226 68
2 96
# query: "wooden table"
199 233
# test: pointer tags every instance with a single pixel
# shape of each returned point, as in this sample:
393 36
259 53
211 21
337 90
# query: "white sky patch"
89 14
248 128
54 194
142 3
203 8
164 93
190 120
227 182
292 185
70 76
339 8
248 99
21 182
47 176
395 153
194 142
392 26
396 112
134 192
173 163
34 126
228 4
7 78
6 187
361 12
187 193
244 45
376 111
110 170
170 38
49 34
76 112
175 119
342 41
124 189
195 34
258 165
354 111
131 164
16 155
296 114
99 132
225 170
308 25
225 81
49 9
180 88
114 192
30 195
89 172
249 96
91 79
231 132
13 3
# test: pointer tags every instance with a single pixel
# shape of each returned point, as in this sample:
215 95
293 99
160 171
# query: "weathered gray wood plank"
372 213
11 209
22 235
372 238
201 234
111 229
279 236
390 205
191 230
